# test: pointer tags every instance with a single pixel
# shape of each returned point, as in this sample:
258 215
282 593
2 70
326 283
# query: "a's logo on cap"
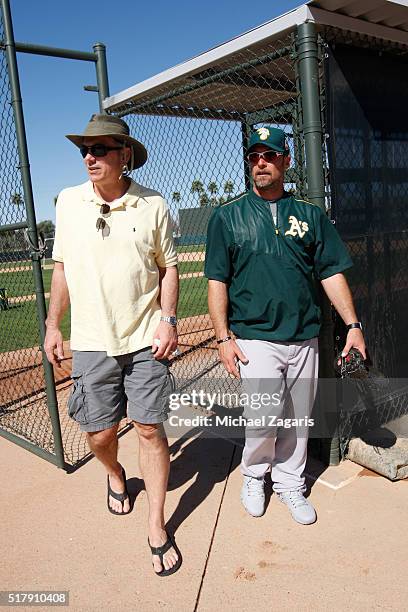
264 133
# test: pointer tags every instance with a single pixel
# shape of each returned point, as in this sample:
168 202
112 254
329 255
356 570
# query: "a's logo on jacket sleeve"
297 228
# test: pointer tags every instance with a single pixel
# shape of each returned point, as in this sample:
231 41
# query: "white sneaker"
253 495
300 508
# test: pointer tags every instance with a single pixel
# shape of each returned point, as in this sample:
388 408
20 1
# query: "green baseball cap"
273 138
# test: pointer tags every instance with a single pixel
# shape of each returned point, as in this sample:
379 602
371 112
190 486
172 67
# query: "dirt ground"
56 534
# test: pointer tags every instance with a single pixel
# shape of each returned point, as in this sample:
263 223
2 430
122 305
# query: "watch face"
171 320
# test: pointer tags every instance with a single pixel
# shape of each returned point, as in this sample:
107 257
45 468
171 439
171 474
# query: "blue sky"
142 39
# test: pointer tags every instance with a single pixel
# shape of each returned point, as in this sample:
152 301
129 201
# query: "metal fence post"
101 73
31 223
245 131
308 68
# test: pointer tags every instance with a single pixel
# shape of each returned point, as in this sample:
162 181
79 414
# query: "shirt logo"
264 133
297 228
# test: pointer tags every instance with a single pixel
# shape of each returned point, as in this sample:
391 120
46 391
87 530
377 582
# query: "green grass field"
190 266
191 248
19 326
193 297
22 283
14 264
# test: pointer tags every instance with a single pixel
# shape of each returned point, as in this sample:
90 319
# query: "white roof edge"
401 2
358 25
276 26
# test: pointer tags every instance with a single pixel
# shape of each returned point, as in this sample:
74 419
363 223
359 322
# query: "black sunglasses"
97 150
100 222
268 156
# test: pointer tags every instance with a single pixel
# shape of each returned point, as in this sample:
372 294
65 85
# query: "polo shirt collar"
130 198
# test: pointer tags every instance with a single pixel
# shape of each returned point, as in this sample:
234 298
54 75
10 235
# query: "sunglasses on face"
97 150
267 156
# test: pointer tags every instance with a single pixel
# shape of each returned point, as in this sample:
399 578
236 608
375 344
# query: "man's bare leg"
154 464
104 445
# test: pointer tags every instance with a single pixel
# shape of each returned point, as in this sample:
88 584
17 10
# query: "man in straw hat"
115 262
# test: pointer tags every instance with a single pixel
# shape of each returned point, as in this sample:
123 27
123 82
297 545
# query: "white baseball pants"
290 371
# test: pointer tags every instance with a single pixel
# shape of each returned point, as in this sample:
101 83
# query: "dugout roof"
385 19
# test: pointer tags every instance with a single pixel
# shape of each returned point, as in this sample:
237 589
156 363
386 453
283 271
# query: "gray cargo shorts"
103 387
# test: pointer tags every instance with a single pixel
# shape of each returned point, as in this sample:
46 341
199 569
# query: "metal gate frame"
98 57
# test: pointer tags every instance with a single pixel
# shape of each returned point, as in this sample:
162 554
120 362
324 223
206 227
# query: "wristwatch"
356 325
171 320
224 339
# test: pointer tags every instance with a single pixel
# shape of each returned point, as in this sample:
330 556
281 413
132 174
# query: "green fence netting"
368 147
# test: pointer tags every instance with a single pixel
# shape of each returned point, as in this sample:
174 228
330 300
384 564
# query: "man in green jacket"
265 251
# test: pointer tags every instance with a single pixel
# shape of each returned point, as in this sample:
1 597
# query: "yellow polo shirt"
112 274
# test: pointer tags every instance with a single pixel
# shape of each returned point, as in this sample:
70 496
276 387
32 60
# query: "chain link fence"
196 132
23 408
26 393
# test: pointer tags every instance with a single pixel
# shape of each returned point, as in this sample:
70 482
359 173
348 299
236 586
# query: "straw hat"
109 125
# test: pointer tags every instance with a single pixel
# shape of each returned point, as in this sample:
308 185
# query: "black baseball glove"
354 366
351 366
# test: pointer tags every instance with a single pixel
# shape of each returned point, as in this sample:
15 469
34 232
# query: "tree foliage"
197 186
210 195
46 227
17 199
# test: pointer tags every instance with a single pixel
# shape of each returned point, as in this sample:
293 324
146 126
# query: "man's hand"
355 339
59 302
54 346
338 292
166 335
230 354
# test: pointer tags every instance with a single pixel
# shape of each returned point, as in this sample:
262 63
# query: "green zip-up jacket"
271 269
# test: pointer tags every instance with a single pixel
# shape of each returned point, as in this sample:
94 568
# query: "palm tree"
204 199
213 187
176 197
17 199
197 187
228 187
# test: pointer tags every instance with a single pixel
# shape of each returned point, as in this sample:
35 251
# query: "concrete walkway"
56 534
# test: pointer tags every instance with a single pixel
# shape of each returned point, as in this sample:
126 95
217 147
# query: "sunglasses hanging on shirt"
101 222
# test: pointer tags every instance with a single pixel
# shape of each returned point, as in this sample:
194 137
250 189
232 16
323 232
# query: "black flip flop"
119 497
160 551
